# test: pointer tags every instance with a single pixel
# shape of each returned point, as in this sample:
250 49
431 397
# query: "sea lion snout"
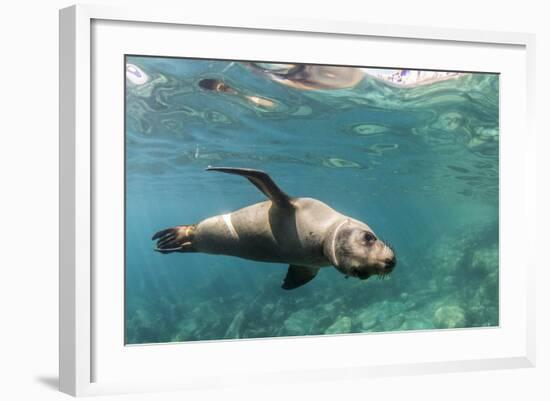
385 258
390 263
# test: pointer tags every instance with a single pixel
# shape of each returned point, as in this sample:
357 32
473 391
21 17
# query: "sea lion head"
355 250
215 85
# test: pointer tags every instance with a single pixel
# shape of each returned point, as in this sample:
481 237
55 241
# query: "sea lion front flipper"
262 181
297 276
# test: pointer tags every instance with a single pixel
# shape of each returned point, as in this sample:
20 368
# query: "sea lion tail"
175 239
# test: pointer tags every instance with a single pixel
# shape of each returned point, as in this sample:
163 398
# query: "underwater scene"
378 187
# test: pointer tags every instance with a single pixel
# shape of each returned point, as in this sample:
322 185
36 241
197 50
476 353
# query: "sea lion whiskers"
384 275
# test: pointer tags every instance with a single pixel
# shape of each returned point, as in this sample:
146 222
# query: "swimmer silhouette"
217 85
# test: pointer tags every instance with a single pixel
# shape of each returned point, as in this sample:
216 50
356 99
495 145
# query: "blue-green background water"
419 165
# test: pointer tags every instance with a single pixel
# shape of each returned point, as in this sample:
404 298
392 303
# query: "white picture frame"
81 160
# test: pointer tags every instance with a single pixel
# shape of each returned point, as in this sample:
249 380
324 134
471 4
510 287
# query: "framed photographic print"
313 189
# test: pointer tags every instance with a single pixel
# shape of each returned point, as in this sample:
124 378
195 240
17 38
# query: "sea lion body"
305 233
263 233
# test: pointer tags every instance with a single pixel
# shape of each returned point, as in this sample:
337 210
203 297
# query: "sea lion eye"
369 237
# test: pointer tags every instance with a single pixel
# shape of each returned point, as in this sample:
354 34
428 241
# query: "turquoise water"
419 165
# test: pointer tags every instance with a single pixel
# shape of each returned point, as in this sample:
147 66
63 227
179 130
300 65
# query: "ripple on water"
487 132
379 149
215 117
302 110
340 163
147 89
368 129
172 124
458 169
484 149
451 120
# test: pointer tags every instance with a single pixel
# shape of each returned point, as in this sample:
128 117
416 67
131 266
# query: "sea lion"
310 76
305 233
216 85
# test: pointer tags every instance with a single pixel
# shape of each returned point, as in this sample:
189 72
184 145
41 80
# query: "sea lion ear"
297 276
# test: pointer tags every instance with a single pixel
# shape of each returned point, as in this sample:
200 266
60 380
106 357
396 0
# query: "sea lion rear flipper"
262 181
175 239
297 276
